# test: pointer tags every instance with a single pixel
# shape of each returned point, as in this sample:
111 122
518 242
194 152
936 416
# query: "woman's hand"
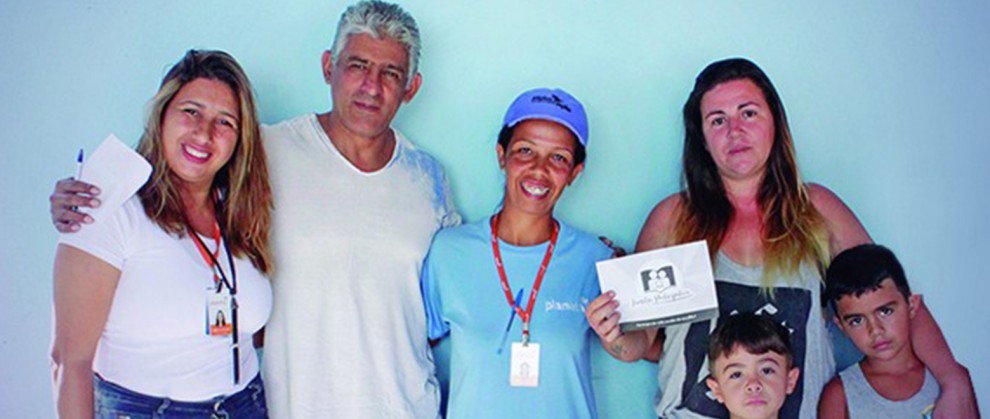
617 251
603 317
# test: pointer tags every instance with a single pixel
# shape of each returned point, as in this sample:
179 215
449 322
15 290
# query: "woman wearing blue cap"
510 290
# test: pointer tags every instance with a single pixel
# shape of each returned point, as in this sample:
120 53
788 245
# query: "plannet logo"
553 100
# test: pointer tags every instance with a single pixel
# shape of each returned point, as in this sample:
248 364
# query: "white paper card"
118 171
662 287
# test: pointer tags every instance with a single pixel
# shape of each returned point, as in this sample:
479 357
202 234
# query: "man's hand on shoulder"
70 195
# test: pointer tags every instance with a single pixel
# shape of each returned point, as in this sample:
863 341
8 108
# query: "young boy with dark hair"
751 364
873 304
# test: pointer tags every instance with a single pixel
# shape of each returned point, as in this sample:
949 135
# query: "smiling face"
739 128
538 164
878 322
752 386
368 82
200 132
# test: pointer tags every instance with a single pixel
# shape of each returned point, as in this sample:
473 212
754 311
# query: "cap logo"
553 100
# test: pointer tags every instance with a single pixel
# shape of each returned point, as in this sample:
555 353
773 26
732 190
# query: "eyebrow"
363 60
398 68
742 105
758 361
732 365
201 105
849 316
752 102
891 303
718 111
886 304
768 359
527 140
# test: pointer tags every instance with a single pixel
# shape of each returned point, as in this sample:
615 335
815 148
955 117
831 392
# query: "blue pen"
79 164
79 167
512 316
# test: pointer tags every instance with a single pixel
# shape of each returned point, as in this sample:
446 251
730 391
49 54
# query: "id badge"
218 316
524 369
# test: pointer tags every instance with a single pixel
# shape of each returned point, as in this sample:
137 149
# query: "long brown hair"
793 230
245 198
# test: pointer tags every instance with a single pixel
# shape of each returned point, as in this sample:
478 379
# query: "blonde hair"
793 230
244 202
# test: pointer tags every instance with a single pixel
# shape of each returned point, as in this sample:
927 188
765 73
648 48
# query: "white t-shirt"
347 336
155 339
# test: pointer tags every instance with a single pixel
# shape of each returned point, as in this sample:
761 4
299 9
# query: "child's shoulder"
832 404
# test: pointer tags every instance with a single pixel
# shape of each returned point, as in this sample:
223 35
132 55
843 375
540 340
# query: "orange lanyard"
220 280
210 261
524 315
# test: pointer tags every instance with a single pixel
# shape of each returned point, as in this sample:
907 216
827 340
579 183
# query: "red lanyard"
524 315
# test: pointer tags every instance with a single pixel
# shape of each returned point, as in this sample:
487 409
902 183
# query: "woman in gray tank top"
770 235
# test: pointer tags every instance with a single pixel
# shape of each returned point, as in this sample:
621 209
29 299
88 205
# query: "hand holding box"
662 287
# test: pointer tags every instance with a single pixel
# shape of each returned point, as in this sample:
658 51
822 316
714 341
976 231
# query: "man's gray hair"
379 19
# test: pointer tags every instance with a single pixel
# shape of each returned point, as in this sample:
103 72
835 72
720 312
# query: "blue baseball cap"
553 105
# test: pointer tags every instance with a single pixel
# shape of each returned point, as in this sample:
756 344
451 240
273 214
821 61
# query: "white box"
662 287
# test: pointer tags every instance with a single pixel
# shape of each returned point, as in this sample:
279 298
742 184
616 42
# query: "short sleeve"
436 326
450 215
106 239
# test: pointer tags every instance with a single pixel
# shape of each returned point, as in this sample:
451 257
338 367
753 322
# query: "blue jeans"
113 401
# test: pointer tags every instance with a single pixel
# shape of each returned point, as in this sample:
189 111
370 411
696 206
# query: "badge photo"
524 369
218 317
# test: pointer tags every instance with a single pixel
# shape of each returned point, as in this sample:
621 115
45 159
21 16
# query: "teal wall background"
888 103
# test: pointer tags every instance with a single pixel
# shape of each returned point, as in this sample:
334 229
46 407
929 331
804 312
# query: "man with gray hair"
356 206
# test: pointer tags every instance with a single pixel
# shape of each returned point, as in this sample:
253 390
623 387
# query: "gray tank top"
864 402
796 304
